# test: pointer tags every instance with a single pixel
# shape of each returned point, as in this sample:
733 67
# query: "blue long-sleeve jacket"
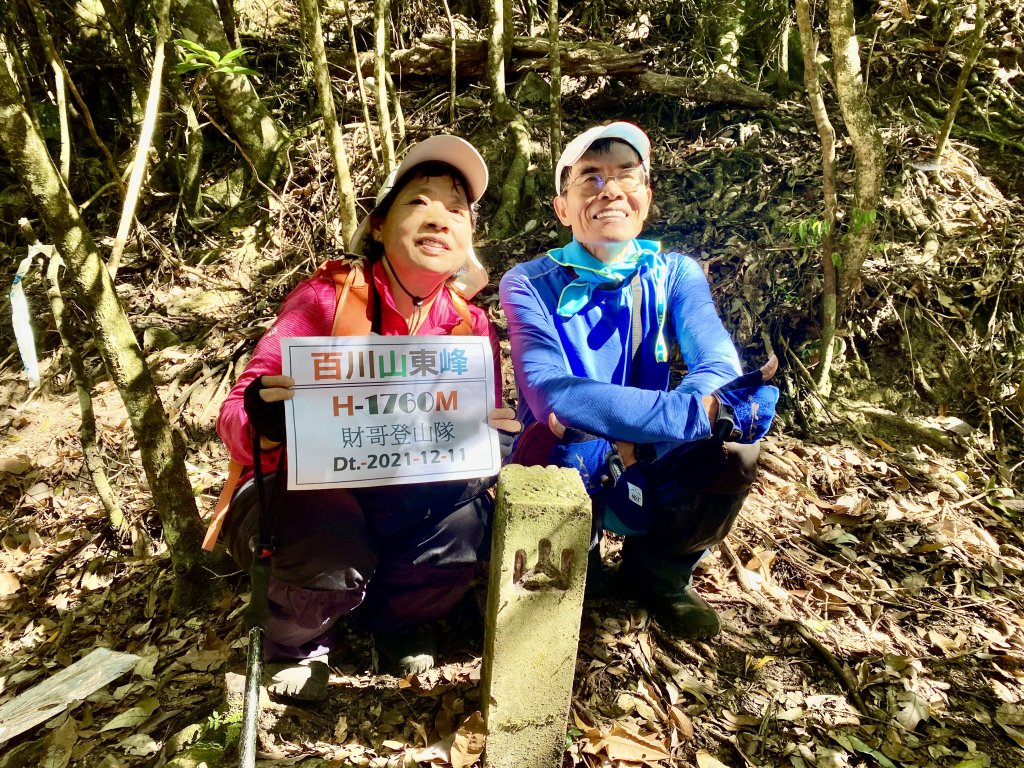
579 367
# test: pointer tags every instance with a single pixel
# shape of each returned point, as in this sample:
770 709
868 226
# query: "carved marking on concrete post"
534 603
545 574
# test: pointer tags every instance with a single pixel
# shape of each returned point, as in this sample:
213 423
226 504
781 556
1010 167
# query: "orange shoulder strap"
220 509
353 310
465 325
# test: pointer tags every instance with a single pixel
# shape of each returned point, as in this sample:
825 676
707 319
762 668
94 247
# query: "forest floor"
870 593
870 597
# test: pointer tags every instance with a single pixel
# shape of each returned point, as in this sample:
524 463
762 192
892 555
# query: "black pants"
697 491
406 553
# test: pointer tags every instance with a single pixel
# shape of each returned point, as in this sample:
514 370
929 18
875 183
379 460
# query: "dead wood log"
431 57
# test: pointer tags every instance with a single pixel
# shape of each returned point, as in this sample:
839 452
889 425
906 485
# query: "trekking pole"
255 616
258 611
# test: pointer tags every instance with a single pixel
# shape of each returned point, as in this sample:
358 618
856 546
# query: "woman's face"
428 230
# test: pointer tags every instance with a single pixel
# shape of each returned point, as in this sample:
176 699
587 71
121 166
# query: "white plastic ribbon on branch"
20 315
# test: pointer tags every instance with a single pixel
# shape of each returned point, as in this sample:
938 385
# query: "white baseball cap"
578 147
458 153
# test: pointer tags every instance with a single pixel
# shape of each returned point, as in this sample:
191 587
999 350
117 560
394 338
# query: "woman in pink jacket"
405 554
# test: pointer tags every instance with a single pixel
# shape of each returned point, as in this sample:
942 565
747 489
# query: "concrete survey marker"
534 604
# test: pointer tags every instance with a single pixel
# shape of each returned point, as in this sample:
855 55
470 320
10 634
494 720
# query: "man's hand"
504 420
626 449
557 428
746 405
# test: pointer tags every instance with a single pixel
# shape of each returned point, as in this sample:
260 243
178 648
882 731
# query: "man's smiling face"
611 216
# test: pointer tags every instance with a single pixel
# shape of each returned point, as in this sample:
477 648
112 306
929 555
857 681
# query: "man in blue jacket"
593 326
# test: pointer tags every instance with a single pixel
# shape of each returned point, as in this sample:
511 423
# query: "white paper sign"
388 410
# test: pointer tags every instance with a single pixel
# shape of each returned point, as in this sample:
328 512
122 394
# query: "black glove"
506 440
266 418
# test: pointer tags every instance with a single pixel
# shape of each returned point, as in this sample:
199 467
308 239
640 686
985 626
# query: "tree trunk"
114 16
729 31
53 54
363 101
976 42
149 120
10 51
261 137
495 72
827 136
868 152
71 342
453 82
556 82
314 36
504 219
161 448
380 63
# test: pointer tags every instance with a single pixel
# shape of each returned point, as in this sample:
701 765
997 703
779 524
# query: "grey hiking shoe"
665 586
404 653
300 680
685 614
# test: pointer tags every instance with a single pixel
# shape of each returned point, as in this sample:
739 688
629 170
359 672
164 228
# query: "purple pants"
406 554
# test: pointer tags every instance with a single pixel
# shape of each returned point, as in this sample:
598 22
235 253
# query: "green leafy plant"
860 219
195 57
808 233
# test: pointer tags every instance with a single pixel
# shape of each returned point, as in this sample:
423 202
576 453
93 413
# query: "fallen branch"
432 57
842 675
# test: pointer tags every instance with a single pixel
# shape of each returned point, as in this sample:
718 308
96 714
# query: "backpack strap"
354 312
354 297
465 325
220 510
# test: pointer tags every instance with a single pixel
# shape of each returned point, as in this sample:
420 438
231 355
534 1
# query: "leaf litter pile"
871 609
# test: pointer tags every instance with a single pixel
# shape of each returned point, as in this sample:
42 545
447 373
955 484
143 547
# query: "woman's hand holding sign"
264 404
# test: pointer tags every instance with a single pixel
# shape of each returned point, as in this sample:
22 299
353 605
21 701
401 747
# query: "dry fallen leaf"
622 744
9 584
15 465
135 716
682 722
469 741
706 760
59 745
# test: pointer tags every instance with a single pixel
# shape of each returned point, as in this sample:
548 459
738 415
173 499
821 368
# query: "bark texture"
314 34
976 43
380 63
868 151
496 44
431 57
161 448
556 82
827 136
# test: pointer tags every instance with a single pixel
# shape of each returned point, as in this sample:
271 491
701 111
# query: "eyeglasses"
591 184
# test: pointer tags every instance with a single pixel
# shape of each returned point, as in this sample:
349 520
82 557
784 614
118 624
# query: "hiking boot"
684 613
664 585
300 679
404 653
